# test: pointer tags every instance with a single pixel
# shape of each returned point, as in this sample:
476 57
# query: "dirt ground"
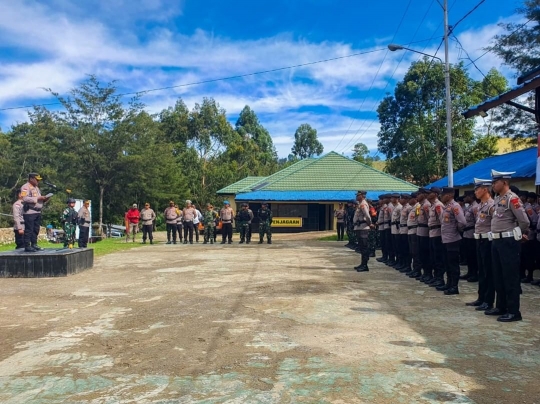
290 322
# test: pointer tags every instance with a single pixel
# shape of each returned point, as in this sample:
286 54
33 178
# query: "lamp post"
394 47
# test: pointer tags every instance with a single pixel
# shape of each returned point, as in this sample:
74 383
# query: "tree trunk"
101 192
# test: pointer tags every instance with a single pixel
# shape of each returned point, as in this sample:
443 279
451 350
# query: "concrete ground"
290 322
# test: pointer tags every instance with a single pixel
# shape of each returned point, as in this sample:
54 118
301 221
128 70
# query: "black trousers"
340 230
436 256
188 231
196 231
470 256
84 233
423 253
32 222
171 228
147 230
362 236
452 251
390 247
19 239
226 232
394 239
486 285
528 258
404 249
414 252
384 243
179 229
505 255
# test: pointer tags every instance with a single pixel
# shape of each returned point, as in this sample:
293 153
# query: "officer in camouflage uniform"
243 220
69 222
265 223
350 224
209 222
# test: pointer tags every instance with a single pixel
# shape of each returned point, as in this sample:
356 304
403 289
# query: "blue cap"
226 203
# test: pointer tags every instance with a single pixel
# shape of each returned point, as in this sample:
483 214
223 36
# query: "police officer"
18 221
528 253
436 249
147 217
468 241
69 222
405 266
349 218
452 223
423 235
362 225
390 247
243 218
382 226
84 219
486 287
412 229
226 215
189 213
32 205
339 214
264 214
508 221
171 216
395 260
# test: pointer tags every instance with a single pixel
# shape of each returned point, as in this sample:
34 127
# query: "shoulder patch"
438 209
24 193
516 202
456 210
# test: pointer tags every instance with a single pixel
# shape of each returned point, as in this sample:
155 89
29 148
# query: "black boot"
261 241
29 248
363 266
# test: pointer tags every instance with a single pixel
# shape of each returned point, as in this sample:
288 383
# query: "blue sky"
146 44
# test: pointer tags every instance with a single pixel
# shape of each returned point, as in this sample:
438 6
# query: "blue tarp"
315 196
523 162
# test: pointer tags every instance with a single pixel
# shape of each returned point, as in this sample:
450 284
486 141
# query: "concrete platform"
49 262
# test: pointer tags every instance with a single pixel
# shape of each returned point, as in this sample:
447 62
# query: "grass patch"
100 248
332 238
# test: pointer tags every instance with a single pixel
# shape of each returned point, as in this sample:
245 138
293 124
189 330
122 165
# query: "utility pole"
448 100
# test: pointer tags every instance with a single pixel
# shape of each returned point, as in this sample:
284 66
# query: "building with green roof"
311 189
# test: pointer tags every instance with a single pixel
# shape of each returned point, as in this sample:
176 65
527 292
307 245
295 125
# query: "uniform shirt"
30 195
362 220
189 214
412 219
483 217
171 215
423 230
509 214
382 217
403 218
226 215
265 216
388 218
453 221
147 216
533 219
470 216
396 214
434 220
84 217
340 215
18 220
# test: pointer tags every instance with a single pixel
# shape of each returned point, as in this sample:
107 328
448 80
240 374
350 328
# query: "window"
282 210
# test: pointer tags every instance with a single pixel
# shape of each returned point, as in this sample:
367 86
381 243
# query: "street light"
394 47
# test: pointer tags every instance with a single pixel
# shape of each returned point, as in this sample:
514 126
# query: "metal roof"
523 162
237 186
306 196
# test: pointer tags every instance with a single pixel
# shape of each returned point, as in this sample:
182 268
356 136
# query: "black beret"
448 190
436 190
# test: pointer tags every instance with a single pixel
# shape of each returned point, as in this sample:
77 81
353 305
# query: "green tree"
361 154
413 134
249 127
306 143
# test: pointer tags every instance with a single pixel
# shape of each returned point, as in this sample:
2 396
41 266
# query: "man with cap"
132 217
423 235
412 229
264 214
189 213
482 228
362 225
209 222
18 221
349 217
405 266
470 212
388 221
528 248
372 235
394 232
147 217
436 249
243 218
508 225
382 227
171 217
452 224
226 215
69 223
339 214
84 218
32 205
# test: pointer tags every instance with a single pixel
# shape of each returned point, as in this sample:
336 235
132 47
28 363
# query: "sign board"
287 222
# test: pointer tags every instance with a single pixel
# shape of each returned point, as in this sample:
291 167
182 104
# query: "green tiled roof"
237 186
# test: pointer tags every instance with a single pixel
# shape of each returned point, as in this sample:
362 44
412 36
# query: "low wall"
7 236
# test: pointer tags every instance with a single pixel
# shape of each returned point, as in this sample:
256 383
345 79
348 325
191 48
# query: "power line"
141 92
451 30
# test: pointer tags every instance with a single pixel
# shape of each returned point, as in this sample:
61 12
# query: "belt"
437 226
226 221
87 221
478 236
422 225
396 222
468 228
412 227
358 223
388 222
21 222
402 225
504 234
